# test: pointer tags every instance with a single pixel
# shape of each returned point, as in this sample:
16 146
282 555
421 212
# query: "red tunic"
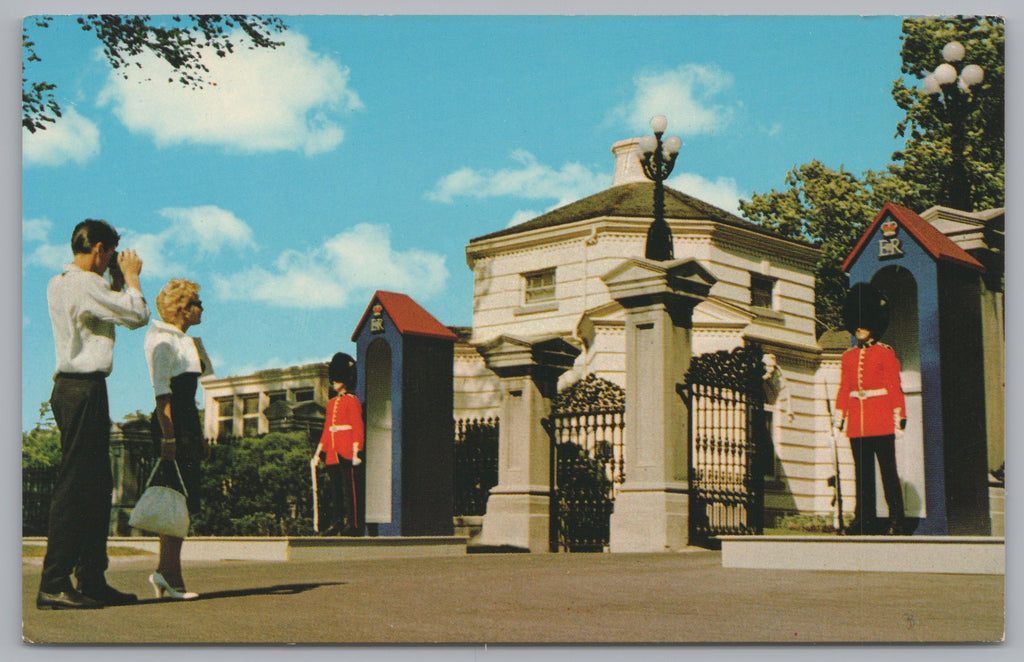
870 396
345 416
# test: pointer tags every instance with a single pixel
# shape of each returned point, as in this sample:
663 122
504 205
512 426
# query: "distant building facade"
250 405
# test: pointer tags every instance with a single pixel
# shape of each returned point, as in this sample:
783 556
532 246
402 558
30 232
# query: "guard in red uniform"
340 443
870 405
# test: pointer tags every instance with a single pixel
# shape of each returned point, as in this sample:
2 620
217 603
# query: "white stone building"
543 278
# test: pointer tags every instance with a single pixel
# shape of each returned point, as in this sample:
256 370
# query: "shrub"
257 487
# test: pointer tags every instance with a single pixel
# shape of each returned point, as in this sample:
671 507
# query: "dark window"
303 394
539 286
762 292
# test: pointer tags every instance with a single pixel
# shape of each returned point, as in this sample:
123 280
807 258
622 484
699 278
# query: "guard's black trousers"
865 450
80 504
342 490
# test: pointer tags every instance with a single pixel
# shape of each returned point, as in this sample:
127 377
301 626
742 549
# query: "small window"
250 415
303 394
225 407
539 286
762 291
276 396
225 417
250 405
225 428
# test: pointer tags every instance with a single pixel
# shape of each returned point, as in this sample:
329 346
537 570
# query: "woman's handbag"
162 510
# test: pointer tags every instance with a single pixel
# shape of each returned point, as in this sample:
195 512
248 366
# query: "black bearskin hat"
343 369
866 308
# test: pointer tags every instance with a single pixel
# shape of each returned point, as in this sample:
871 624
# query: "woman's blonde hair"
174 297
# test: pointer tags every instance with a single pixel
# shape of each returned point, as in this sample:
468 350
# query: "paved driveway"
538 598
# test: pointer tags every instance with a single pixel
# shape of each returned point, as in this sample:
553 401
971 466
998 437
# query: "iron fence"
476 464
36 488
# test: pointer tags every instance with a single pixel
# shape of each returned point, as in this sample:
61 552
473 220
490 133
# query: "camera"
115 268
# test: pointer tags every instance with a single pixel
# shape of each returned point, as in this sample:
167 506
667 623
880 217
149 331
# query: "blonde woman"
175 364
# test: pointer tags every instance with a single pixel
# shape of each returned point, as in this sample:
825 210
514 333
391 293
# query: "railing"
476 464
36 488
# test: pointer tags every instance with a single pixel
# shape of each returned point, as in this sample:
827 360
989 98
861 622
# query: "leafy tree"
931 126
40 446
181 41
257 487
831 208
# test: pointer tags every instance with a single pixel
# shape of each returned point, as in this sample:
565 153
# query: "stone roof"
633 200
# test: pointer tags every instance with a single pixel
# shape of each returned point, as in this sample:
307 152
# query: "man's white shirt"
84 311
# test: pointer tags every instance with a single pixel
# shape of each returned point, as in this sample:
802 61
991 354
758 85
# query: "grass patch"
796 532
39 551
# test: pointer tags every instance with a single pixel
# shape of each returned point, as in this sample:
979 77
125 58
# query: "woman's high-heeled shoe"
161 587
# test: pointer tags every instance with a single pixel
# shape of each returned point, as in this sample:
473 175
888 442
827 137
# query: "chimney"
627 162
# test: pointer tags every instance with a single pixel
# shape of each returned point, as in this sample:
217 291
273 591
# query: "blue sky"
369 150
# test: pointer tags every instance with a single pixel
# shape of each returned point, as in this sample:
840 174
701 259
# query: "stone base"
973 555
997 510
517 520
650 521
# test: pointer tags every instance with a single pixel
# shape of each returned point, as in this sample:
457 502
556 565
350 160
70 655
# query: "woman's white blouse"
169 352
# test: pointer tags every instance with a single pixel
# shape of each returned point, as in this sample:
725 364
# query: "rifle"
837 499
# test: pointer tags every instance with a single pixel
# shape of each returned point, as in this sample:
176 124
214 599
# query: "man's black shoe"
69 599
108 595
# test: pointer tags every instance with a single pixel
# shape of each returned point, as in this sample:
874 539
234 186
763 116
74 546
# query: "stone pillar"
130 443
519 506
652 507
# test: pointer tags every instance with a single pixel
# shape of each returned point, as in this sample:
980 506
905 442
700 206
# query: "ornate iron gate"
476 464
727 437
586 427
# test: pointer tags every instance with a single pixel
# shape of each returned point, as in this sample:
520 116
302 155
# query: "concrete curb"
210 548
929 554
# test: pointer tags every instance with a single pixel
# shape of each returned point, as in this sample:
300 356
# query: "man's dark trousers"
80 505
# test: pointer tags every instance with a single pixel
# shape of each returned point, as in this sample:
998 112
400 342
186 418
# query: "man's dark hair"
90 232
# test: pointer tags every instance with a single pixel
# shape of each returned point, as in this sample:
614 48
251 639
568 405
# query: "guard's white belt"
339 428
868 393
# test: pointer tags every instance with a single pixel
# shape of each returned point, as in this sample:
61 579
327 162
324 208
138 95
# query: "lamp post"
951 89
656 160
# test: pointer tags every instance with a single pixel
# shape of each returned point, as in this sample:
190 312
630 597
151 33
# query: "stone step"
210 548
974 555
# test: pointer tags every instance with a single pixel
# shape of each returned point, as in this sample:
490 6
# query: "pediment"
718 312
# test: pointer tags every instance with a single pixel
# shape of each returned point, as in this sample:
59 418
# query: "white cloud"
45 254
49 256
256 100
193 231
528 179
353 263
722 192
71 138
686 96
36 229
209 228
